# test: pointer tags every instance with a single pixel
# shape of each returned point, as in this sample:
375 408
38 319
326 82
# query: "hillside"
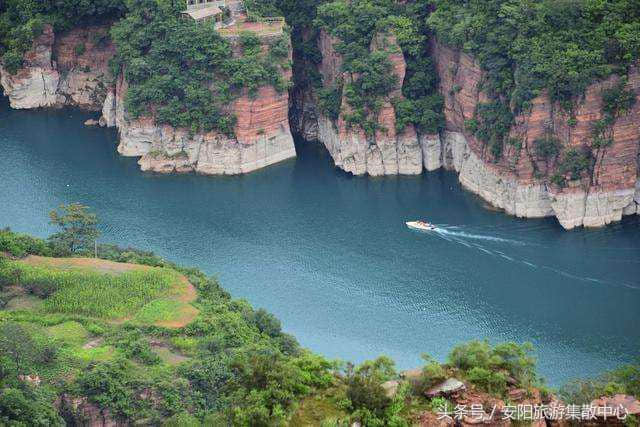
133 339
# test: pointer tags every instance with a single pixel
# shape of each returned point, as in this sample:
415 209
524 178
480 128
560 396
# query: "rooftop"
207 12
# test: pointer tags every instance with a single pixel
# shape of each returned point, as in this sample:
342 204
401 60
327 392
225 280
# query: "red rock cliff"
71 69
387 152
262 136
520 181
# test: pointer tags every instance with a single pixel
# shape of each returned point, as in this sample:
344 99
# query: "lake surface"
330 256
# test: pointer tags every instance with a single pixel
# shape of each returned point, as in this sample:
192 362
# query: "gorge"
523 181
328 253
251 157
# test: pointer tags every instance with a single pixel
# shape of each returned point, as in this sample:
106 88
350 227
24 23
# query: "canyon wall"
72 70
519 181
387 151
69 70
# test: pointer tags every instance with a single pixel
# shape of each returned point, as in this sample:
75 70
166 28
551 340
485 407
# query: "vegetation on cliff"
371 80
178 72
527 48
185 74
22 20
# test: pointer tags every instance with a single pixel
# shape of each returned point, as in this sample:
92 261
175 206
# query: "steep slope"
72 69
519 181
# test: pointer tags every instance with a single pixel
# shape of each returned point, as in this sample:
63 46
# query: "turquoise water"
330 256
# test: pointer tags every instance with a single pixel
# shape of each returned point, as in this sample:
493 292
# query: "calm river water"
330 256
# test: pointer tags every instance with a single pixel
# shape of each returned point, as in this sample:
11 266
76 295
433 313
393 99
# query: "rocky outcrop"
80 411
519 181
70 70
387 151
261 137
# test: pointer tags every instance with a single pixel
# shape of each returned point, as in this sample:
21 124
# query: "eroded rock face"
387 151
262 137
519 181
36 84
69 70
79 411
72 70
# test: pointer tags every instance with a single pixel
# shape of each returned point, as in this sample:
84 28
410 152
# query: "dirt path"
95 264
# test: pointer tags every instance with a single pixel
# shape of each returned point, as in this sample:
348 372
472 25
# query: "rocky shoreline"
57 74
519 182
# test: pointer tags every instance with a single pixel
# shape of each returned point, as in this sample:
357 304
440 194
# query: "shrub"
12 61
617 100
492 382
575 163
486 366
183 419
25 407
493 122
329 102
79 49
547 146
20 245
432 373
112 385
364 385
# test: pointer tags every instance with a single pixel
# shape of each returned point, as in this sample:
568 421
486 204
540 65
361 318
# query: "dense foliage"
527 47
230 365
185 74
362 29
179 72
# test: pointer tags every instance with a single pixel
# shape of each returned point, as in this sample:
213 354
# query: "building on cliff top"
209 10
231 17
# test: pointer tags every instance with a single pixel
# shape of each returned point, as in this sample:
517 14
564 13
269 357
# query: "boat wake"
451 231
454 234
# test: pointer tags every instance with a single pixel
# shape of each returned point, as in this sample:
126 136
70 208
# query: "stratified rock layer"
388 151
68 70
262 137
79 76
519 181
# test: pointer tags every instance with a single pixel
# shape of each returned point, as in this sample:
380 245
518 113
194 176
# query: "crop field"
102 289
78 305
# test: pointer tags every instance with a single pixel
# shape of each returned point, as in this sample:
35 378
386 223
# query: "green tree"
27 408
79 227
17 345
364 388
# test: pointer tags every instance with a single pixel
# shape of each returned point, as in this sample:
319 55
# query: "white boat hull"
415 225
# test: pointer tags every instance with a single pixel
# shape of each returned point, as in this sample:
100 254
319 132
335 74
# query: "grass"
107 296
166 312
313 411
169 357
71 332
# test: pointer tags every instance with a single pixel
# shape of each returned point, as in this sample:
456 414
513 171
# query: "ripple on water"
329 253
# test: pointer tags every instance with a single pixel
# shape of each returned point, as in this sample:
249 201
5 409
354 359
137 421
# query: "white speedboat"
421 225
